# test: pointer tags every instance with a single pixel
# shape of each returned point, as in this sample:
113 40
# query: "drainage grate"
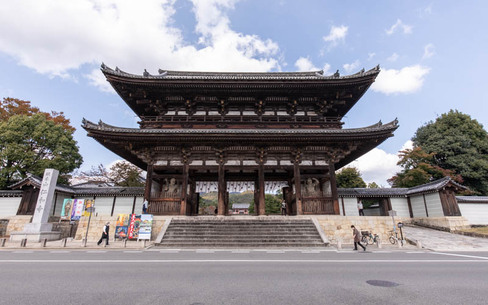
382 283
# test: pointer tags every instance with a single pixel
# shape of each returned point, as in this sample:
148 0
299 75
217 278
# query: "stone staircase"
229 232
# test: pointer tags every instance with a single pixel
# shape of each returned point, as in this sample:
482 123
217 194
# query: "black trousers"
101 239
361 212
356 243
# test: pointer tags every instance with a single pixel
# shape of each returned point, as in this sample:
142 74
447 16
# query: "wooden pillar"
410 211
184 187
298 188
222 189
256 197
134 204
147 190
113 206
261 195
333 187
425 204
193 197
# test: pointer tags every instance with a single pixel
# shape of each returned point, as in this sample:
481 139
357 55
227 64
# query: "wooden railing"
164 206
318 205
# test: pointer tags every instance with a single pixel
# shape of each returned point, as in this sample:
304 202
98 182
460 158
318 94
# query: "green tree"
373 185
460 144
30 144
418 169
123 173
349 177
272 204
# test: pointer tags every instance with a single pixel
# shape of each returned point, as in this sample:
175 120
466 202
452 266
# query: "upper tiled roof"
189 75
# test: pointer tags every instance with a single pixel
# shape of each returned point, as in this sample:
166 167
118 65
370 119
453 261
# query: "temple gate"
250 127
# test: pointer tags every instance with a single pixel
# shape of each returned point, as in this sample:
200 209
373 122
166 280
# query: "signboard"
77 209
122 226
145 226
134 225
89 204
66 209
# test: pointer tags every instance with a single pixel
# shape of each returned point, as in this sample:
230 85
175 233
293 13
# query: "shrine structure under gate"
255 128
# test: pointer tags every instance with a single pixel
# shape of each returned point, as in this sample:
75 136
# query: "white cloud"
407 80
304 64
429 51
352 66
377 166
337 34
371 55
399 25
393 57
132 34
326 69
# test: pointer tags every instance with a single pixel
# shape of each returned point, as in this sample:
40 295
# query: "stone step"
228 232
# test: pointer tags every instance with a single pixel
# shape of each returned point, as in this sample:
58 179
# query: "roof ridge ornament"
337 74
145 73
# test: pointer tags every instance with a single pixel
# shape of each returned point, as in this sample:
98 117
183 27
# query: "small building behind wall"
434 199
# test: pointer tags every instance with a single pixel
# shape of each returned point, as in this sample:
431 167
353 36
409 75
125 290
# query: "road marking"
59 251
460 255
241 251
416 252
204 251
310 251
22 251
96 251
132 251
267 261
170 251
276 251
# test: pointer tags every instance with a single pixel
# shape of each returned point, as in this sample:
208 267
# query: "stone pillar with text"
39 228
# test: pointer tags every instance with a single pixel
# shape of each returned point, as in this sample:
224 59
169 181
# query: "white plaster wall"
9 206
351 206
59 204
123 205
418 207
103 205
400 205
475 213
139 201
434 206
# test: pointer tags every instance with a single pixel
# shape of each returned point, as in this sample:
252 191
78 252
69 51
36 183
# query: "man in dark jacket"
106 229
357 238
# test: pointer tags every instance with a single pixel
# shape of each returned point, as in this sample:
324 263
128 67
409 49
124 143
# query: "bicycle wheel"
392 240
364 239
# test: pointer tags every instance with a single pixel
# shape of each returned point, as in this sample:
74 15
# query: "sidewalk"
77 244
444 241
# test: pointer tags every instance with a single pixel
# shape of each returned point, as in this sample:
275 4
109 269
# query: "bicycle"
393 238
368 238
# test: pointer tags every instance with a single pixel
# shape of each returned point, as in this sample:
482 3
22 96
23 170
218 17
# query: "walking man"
105 232
283 207
360 208
357 238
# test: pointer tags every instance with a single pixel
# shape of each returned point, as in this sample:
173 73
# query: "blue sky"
433 55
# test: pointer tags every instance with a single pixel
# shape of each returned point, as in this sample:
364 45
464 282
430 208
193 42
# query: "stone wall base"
449 224
34 237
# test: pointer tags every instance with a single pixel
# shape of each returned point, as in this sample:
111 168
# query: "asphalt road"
242 277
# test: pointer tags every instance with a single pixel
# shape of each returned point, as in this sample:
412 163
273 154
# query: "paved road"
307 276
444 241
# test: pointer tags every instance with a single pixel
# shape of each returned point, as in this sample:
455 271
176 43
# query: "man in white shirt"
360 208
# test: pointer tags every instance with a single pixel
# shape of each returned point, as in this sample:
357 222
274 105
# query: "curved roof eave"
238 76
